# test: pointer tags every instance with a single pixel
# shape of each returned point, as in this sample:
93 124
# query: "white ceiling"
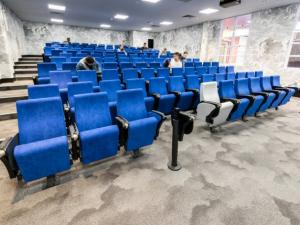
91 13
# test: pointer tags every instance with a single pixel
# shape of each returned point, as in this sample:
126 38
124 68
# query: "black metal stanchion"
174 164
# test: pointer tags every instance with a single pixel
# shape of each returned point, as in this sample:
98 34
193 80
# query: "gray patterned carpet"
246 174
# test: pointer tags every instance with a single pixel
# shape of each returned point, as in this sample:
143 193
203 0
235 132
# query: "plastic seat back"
230 69
131 104
92 111
230 76
189 71
69 66
250 74
222 69
266 83
197 64
212 70
141 65
177 71
240 75
226 89
87 75
176 84
215 64
255 84
201 70
126 65
209 92
207 78
163 72
207 64
192 82
259 74
43 91
242 86
110 87
77 88
75 59
220 77
129 74
154 65
275 81
147 73
61 78
110 65
188 64
158 85
137 84
40 119
110 74
45 68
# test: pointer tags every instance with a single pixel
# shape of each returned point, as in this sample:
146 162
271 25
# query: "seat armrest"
266 95
176 93
156 99
35 80
162 120
273 91
163 117
216 104
186 124
233 100
74 133
7 155
195 91
123 125
214 113
156 95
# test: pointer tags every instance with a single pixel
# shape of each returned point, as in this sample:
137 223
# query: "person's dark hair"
185 52
89 60
178 54
166 63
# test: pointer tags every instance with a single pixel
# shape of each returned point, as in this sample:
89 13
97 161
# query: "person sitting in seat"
88 63
184 56
164 52
122 48
145 47
176 61
68 41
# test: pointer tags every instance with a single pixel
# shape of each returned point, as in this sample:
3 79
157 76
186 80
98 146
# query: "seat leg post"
174 165
136 153
51 181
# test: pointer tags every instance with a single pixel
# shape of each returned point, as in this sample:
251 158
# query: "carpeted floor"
246 174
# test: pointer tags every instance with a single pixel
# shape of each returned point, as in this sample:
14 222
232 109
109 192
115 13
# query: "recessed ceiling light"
57 7
105 25
166 23
146 28
121 17
151 1
57 20
208 11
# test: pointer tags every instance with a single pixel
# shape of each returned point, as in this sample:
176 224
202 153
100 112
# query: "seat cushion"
279 99
141 133
224 112
240 110
99 143
43 80
42 158
252 109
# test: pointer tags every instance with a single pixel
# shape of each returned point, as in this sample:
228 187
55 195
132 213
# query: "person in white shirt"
176 61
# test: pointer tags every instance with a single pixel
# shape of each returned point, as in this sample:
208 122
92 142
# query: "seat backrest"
230 69
109 59
43 91
61 78
176 84
207 78
77 88
215 64
154 65
110 74
196 60
75 59
45 68
141 65
110 87
126 65
250 74
189 71
131 104
209 92
275 81
136 84
110 65
220 77
206 64
226 89
230 76
69 66
202 70
129 74
56 52
192 82
265 83
40 119
177 71
163 72
197 64
58 60
147 73
212 69
222 69
188 64
242 86
259 74
87 75
240 75
254 84
158 85
92 111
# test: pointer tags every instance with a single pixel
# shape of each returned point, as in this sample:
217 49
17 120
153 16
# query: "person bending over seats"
176 61
88 63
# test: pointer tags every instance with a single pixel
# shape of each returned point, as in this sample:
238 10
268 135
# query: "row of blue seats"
42 149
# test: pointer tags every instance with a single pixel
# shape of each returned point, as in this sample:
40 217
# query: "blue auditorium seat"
193 84
43 146
215 64
243 91
259 74
290 91
227 93
250 74
212 70
110 74
201 70
88 75
75 59
141 83
220 77
197 64
142 126
56 52
230 69
154 65
77 88
140 65
255 88
61 78
147 73
222 69
184 99
111 87
72 67
43 72
164 102
43 91
188 64
126 65
206 64
58 60
177 72
207 78
240 75
99 138
189 71
163 72
109 60
129 74
110 65
267 87
230 76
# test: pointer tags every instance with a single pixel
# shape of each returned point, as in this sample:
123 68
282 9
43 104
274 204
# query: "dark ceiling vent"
185 1
188 16
155 26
